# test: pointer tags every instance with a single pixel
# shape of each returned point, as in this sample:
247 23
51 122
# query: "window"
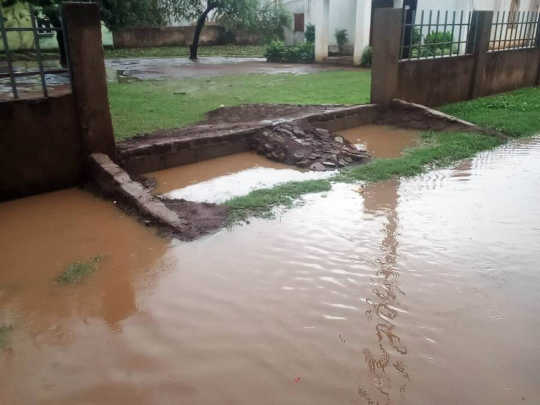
299 22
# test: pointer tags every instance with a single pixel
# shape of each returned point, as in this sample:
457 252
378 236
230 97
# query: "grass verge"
77 271
5 331
244 51
149 105
437 150
515 113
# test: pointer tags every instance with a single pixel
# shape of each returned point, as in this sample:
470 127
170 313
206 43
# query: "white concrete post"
362 29
322 26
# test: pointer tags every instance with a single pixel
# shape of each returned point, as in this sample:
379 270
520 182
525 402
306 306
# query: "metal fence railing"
34 75
514 30
436 33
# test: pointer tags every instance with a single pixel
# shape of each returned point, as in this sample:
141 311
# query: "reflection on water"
413 292
383 306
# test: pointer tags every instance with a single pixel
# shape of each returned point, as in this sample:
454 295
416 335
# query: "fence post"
387 27
538 48
481 21
88 78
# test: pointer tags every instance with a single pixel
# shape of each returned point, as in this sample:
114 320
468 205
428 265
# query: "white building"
355 17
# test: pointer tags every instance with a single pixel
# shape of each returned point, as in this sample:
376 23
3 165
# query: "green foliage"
267 19
260 203
193 9
278 52
309 34
515 113
342 37
77 271
367 57
118 14
438 43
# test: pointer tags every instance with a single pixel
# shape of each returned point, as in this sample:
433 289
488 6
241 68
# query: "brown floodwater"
382 141
416 291
182 176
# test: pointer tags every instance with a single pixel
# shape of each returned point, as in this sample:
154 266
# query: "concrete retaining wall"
40 146
437 81
168 36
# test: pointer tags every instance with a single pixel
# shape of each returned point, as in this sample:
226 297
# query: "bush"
278 52
309 34
439 43
342 37
367 56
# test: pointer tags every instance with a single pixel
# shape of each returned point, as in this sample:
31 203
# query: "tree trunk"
200 24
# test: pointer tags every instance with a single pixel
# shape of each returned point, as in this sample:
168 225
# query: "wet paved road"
412 292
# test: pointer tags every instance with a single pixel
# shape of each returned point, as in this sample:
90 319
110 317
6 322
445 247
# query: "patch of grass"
515 113
149 105
437 150
5 331
77 271
260 203
245 51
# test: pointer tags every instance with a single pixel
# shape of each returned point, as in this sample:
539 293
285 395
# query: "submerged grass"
437 150
260 203
77 271
515 113
5 331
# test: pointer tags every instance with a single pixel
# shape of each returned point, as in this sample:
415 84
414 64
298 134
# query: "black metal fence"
29 72
436 33
514 30
433 34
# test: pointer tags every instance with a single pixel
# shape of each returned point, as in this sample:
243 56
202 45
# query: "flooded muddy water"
186 175
218 180
417 291
382 141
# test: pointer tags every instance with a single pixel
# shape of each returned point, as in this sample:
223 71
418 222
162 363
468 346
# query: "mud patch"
201 218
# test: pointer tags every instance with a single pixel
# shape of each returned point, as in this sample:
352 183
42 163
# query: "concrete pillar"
362 29
480 47
322 28
89 83
387 24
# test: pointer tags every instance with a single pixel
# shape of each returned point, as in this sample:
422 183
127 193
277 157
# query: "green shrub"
439 43
309 34
342 37
367 56
278 52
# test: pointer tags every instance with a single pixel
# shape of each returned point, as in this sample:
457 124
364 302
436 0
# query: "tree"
266 19
117 14
200 10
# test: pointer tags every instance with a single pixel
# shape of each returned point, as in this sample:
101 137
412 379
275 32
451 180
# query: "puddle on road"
218 180
419 291
382 141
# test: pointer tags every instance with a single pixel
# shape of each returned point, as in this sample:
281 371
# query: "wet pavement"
182 68
417 291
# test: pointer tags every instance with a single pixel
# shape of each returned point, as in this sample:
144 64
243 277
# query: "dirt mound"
200 218
259 112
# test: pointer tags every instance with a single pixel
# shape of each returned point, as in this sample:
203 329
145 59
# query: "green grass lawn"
246 51
139 107
515 113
